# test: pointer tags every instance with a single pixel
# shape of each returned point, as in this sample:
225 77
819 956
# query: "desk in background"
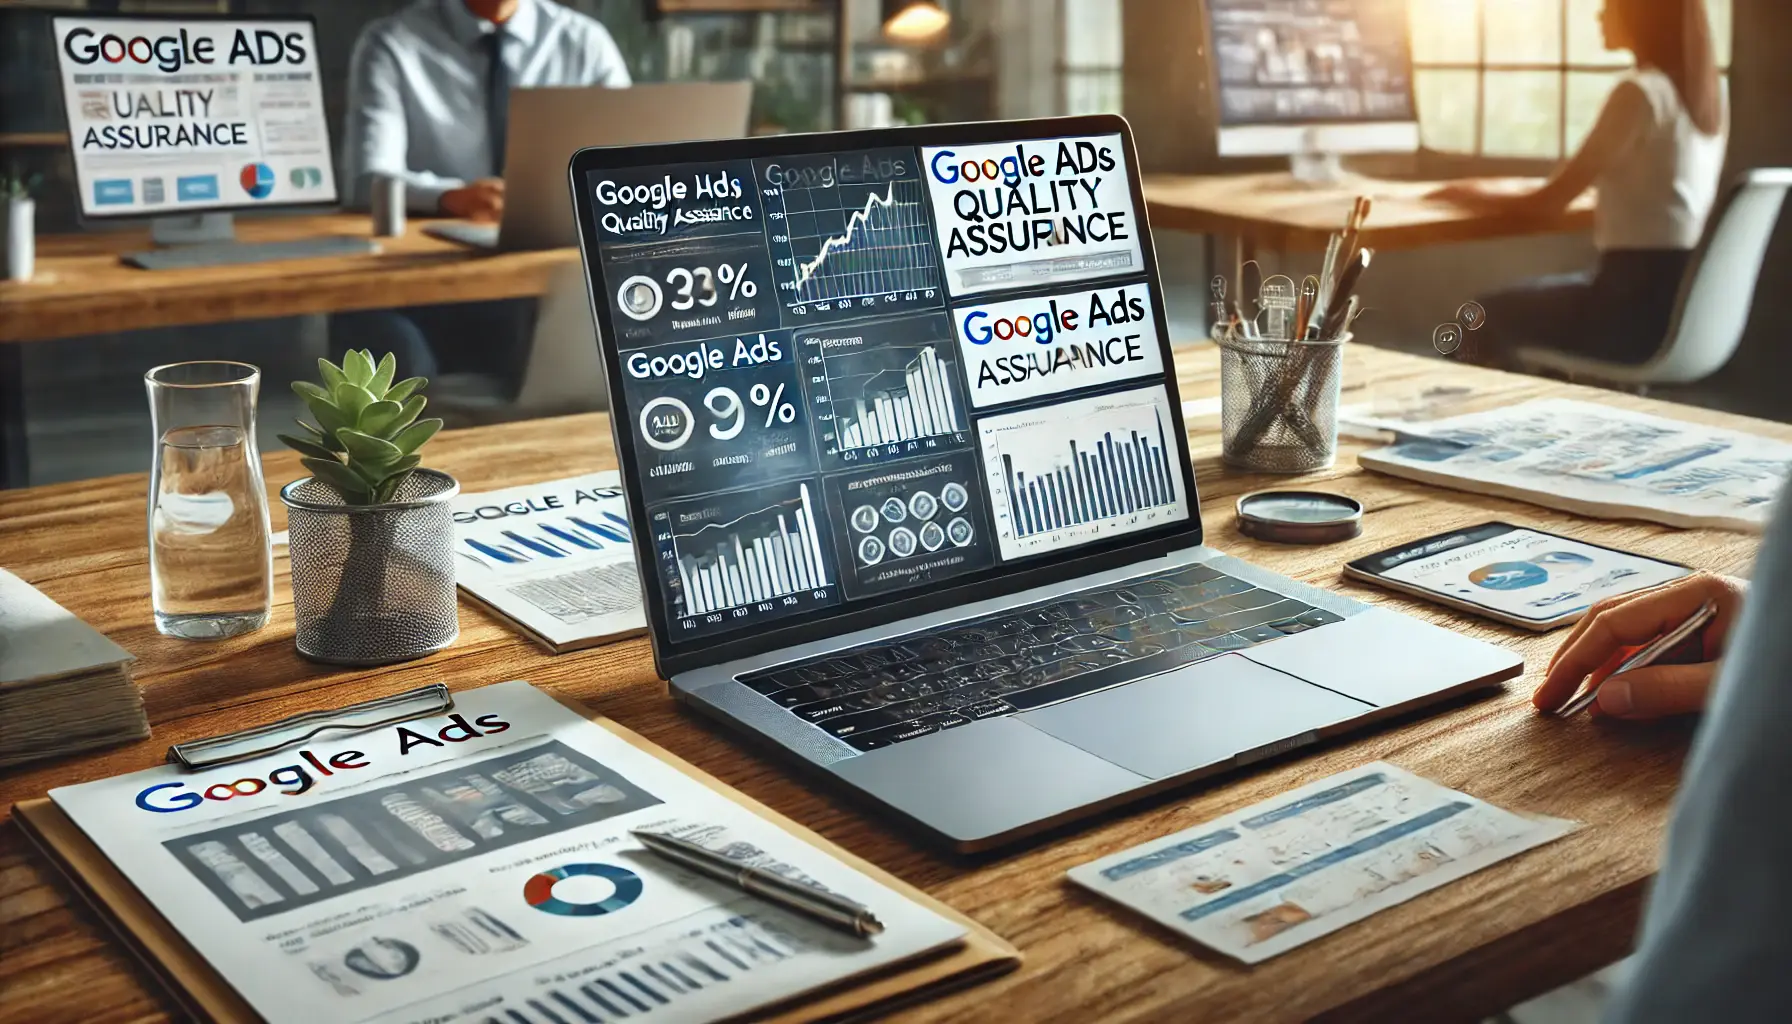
81 288
1272 212
1500 936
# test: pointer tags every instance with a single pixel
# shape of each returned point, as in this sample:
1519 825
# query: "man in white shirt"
428 102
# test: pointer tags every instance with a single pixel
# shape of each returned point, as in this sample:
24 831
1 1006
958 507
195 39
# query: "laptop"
548 125
902 443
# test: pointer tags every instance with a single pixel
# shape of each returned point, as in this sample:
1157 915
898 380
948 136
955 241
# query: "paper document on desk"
479 866
1285 871
555 558
1595 460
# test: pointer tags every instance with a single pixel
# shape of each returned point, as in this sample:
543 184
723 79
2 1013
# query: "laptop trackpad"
1192 717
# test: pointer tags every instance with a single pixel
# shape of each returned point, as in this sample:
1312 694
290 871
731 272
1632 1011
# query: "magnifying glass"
1299 517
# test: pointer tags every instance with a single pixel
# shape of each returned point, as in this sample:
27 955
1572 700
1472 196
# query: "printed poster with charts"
478 866
1595 460
554 558
1287 870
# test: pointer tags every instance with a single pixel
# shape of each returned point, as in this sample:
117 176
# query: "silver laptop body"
548 125
991 705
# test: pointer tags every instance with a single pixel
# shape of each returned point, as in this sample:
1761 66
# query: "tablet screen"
1519 572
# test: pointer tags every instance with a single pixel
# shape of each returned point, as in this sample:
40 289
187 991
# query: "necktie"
497 98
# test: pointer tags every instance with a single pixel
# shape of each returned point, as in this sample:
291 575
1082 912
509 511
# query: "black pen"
1337 312
830 909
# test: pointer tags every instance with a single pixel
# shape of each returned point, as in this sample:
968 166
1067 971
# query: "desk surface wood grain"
1476 946
1272 212
81 287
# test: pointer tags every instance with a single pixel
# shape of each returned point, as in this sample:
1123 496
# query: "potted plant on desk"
371 536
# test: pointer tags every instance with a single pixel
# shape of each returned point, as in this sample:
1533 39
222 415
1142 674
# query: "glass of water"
211 568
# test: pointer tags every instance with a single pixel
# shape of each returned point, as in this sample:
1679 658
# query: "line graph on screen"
852 241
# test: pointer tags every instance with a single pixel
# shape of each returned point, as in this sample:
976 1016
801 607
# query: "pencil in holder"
1279 403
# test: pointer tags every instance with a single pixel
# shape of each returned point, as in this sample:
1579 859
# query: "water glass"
211 567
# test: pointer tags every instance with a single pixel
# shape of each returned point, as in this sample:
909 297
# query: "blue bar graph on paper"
1123 475
539 546
540 539
618 533
571 538
502 554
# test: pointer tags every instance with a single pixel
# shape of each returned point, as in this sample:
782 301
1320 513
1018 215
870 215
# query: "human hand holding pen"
1611 630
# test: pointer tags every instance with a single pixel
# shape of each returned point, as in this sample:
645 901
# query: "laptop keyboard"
1020 659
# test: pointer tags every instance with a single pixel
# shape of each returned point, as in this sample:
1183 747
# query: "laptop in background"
900 432
549 125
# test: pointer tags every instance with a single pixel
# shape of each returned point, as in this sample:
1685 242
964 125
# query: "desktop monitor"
1323 77
187 118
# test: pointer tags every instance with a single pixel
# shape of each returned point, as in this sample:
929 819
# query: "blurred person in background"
428 103
1655 154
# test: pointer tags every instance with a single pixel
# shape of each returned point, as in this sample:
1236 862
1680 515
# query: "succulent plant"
367 434
16 184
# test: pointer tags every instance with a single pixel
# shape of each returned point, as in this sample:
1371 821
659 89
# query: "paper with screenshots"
479 866
553 557
1285 871
175 116
1595 460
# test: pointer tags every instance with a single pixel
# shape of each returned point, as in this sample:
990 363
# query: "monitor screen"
1311 61
849 377
183 115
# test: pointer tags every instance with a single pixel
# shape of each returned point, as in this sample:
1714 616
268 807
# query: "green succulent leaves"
367 432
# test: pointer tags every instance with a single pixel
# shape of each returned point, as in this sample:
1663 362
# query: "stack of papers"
554 558
1290 869
479 866
64 687
1595 460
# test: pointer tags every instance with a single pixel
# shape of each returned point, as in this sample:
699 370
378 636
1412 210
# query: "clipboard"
205 995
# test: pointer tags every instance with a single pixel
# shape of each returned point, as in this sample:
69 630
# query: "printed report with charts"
554 558
478 866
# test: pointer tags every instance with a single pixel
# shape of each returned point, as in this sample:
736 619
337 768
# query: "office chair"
1715 296
564 373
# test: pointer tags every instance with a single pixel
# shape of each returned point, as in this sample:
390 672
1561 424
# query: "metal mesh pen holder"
373 584
1279 403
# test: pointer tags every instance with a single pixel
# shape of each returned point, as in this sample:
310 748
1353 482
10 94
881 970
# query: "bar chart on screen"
884 391
735 558
1080 471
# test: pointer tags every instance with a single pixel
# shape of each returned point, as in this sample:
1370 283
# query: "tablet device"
1513 574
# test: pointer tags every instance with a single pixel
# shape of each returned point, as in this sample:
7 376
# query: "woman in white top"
1655 155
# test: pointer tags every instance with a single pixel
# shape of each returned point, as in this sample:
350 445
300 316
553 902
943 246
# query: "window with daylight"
1519 78
1090 53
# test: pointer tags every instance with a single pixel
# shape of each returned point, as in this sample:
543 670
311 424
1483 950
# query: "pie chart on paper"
624 888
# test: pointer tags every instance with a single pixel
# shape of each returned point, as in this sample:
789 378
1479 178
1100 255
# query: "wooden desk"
1271 211
1479 945
81 288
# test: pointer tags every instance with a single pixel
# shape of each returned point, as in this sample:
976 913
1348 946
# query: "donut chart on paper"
538 891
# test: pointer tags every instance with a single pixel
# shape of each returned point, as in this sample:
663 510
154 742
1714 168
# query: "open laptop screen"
855 375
